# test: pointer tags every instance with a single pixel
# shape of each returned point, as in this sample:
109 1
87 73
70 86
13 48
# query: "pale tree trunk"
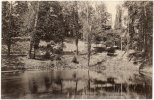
127 38
77 49
75 27
30 50
32 40
89 54
128 42
9 47
89 46
10 31
145 35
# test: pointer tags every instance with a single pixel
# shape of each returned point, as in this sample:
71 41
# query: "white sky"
111 8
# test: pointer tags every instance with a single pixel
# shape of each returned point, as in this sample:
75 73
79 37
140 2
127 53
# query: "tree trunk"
89 80
34 53
9 46
30 50
77 51
89 54
76 26
32 41
89 46
145 35
76 87
10 30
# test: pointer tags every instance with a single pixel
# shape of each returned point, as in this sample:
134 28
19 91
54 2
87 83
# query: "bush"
99 49
47 55
58 49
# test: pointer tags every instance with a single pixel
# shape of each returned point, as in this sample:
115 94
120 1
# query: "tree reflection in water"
47 82
33 86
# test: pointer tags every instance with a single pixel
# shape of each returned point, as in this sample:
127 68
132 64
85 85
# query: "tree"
103 18
93 18
6 15
71 17
89 38
12 21
99 21
34 41
48 24
76 25
118 19
140 27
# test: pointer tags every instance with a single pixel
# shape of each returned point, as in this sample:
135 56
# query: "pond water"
69 84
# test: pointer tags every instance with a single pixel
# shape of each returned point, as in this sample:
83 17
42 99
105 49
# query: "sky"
111 8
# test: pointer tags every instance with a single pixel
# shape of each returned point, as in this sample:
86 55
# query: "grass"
118 66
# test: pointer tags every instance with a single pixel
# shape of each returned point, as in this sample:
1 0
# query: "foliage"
140 26
97 15
12 20
118 20
71 18
12 17
5 18
109 38
50 21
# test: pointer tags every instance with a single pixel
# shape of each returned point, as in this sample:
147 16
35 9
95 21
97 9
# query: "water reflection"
33 87
71 84
47 82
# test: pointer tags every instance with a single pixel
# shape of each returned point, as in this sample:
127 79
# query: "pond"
69 84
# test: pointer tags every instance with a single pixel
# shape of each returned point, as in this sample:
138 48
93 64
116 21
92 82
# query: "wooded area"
78 34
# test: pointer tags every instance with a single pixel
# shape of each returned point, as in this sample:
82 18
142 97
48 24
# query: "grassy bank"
117 67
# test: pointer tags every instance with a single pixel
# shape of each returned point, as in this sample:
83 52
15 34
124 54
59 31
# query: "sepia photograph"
76 49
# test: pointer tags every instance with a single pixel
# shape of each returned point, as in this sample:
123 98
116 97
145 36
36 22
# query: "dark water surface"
70 84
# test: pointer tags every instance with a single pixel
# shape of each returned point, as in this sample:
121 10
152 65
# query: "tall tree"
76 25
118 19
48 23
140 27
71 17
34 38
11 21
